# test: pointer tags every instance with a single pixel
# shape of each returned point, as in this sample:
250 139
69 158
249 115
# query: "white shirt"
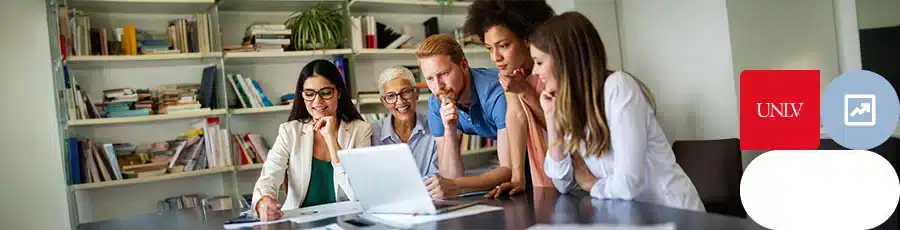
292 153
640 164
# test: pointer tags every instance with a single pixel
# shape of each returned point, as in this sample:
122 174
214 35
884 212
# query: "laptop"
385 179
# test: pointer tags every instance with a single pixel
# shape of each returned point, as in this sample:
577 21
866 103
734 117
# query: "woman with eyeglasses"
304 156
404 124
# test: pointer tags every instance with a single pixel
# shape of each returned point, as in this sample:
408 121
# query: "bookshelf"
143 6
467 51
249 55
273 5
150 118
149 57
270 109
171 176
276 73
480 151
250 167
409 6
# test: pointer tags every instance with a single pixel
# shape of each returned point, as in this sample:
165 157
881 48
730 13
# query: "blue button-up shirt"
487 113
421 143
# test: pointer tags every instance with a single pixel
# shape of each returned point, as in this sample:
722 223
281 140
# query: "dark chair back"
715 168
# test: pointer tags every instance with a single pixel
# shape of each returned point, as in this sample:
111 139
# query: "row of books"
184 35
248 91
263 38
471 143
250 148
203 146
129 102
367 33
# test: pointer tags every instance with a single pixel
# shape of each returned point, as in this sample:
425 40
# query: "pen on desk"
308 213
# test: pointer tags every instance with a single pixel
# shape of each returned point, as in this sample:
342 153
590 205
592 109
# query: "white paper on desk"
663 226
328 227
309 214
324 211
408 221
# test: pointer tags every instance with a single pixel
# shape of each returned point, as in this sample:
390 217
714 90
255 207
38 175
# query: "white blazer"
640 164
294 144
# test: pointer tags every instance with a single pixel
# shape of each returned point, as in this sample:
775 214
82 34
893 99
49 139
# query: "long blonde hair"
579 58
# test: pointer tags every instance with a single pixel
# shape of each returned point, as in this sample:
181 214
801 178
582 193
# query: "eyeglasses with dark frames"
406 94
325 93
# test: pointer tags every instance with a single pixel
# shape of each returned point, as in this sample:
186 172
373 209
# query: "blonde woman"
602 132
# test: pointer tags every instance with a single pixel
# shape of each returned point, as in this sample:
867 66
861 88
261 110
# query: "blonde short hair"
392 73
441 44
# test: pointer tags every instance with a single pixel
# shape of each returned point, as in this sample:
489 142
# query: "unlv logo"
779 109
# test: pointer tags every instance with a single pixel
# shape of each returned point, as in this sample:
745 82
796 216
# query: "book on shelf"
264 37
474 142
367 33
130 102
190 34
248 91
206 95
79 104
250 148
91 161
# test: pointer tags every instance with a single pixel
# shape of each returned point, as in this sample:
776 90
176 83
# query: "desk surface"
519 212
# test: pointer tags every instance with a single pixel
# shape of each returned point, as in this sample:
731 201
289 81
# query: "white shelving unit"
143 6
270 109
173 176
408 6
276 73
311 53
467 51
153 57
139 119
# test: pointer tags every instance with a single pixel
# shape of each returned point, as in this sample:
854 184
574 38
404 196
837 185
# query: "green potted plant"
318 27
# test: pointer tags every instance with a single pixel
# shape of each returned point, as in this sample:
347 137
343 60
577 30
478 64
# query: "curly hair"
519 16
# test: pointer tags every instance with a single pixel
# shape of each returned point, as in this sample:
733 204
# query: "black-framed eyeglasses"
325 93
406 94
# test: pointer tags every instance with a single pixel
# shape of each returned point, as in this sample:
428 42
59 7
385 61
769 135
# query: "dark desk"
519 212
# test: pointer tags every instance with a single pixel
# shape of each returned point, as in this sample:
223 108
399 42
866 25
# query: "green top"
321 184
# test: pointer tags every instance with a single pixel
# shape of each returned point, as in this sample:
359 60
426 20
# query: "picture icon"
859 109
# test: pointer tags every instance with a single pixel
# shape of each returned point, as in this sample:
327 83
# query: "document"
409 221
328 227
309 214
663 226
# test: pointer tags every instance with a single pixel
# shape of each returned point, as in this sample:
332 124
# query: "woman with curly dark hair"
503 26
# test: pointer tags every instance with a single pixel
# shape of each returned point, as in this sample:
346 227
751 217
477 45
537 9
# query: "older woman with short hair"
399 94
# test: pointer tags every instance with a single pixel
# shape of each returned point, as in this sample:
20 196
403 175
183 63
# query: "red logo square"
779 109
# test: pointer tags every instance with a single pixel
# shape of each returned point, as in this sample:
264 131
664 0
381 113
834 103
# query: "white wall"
33 194
877 13
774 34
682 51
602 14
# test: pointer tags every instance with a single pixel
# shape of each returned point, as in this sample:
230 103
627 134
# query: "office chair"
715 168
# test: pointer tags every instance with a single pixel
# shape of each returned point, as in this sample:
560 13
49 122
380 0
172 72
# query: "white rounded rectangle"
816 189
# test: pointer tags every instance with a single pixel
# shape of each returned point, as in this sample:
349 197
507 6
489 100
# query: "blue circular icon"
860 110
